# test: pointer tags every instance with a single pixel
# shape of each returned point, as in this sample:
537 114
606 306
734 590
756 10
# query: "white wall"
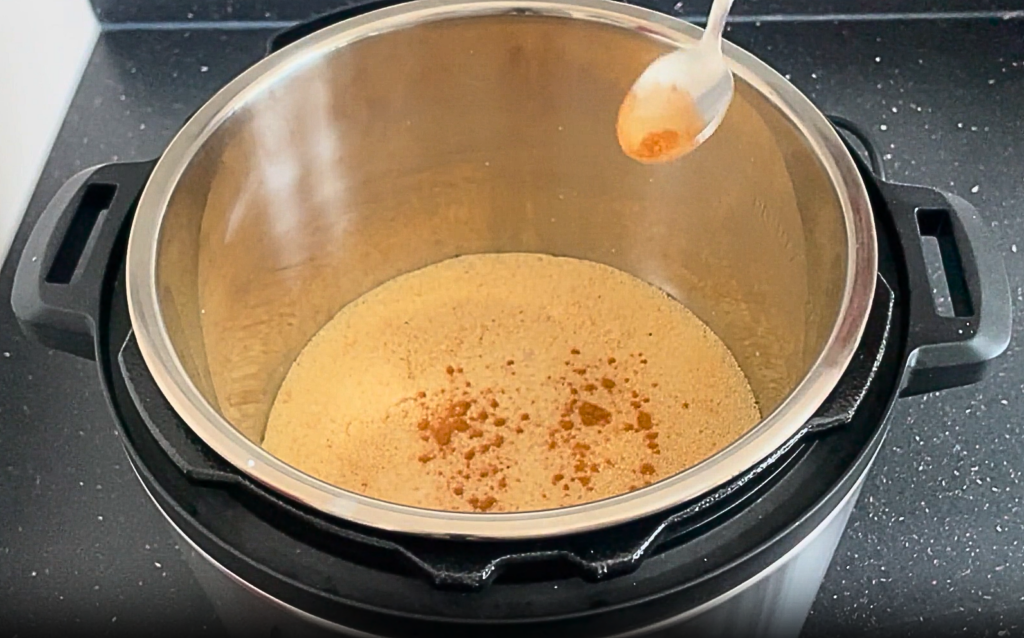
44 46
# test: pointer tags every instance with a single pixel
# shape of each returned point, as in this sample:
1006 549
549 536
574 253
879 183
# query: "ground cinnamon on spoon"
658 125
658 143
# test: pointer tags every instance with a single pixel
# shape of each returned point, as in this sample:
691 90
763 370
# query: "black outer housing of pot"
371 581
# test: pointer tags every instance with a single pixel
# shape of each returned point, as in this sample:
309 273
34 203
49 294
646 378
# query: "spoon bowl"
680 98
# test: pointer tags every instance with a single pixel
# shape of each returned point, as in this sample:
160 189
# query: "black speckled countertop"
936 544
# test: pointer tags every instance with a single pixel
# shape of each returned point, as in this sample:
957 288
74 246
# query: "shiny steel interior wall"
475 135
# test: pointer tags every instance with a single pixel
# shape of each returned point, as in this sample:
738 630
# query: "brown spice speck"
607 383
500 421
644 421
611 361
443 434
451 421
647 469
450 370
483 504
574 351
592 414
557 478
590 387
426 458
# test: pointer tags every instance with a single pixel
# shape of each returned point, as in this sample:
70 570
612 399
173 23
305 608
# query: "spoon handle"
716 23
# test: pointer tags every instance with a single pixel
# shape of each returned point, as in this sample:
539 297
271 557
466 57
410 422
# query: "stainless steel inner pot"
439 128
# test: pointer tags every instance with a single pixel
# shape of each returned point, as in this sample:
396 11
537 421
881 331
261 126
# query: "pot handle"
283 38
949 351
61 274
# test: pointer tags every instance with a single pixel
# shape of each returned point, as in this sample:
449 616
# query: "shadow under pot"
378 144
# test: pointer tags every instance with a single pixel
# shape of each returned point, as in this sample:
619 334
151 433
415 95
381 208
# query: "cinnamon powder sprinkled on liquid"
511 382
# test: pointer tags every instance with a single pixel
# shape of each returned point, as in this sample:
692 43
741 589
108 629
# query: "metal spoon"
680 99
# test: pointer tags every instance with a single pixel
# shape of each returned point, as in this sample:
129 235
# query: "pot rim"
785 423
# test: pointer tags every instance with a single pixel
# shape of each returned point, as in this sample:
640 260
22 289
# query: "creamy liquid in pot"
508 382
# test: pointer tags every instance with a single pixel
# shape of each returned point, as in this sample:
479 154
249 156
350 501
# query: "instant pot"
380 139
